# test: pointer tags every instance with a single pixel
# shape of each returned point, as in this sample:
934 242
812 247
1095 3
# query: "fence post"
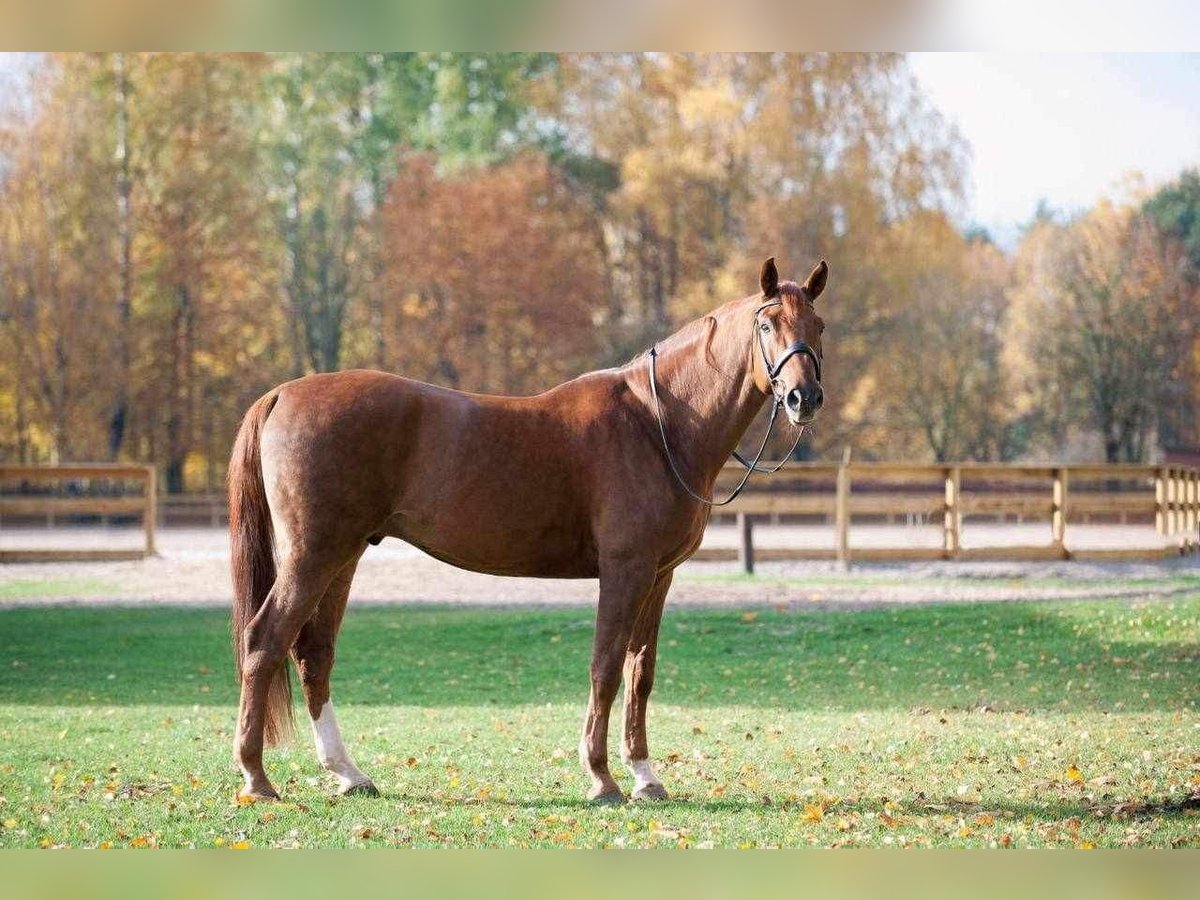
1179 517
1185 504
1172 501
1160 501
1189 503
746 542
1166 502
1181 503
842 510
150 516
1196 505
951 516
1195 495
1058 524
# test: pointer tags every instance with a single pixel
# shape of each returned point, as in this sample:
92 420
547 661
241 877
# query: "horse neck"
706 386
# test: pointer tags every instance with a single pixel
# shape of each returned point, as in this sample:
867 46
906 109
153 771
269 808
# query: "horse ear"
769 279
816 281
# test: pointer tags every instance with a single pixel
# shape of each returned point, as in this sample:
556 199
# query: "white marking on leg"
643 775
332 752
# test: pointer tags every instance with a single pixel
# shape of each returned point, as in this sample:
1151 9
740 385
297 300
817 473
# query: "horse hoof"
360 789
257 795
651 792
609 797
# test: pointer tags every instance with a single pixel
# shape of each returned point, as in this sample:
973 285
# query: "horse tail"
253 559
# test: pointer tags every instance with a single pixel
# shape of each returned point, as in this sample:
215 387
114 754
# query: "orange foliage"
494 277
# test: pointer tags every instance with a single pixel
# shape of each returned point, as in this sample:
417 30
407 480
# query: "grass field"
1006 724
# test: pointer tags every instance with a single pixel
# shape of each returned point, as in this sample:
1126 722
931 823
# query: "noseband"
793 349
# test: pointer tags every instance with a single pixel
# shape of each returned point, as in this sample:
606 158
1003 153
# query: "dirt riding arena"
192 567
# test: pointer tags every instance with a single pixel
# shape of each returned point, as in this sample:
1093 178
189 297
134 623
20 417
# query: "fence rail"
837 494
86 502
1168 496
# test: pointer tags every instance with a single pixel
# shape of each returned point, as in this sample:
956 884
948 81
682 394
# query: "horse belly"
505 543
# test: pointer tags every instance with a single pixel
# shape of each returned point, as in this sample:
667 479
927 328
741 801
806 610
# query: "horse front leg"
640 656
623 583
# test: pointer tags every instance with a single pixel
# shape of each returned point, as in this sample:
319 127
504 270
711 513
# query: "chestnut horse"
607 475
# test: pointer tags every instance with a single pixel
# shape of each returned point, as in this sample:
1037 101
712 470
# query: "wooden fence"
194 509
95 489
1168 497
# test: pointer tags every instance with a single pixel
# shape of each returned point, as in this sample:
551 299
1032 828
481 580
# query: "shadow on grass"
1006 656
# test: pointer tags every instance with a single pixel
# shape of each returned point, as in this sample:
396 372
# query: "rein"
772 371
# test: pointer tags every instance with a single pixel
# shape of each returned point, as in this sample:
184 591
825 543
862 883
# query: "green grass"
1008 724
862 577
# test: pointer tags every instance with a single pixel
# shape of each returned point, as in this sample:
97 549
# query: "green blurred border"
600 875
273 25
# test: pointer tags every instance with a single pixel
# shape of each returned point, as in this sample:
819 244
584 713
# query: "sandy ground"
192 568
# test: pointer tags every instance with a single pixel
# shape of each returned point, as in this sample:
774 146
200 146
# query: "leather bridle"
795 348
772 370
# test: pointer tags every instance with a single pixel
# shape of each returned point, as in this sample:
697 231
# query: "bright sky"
1060 25
1063 126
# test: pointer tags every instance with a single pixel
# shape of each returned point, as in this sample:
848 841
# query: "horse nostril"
793 399
818 397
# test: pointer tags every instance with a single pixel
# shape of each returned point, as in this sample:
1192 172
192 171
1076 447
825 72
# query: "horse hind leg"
267 638
314 655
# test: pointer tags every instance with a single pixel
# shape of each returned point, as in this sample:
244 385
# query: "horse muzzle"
801 403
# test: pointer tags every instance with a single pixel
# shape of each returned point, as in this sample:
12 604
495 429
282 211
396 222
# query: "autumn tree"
938 387
203 245
335 128
1095 329
56 277
493 282
1175 211
727 158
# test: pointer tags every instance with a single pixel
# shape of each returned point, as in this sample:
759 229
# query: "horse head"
788 332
